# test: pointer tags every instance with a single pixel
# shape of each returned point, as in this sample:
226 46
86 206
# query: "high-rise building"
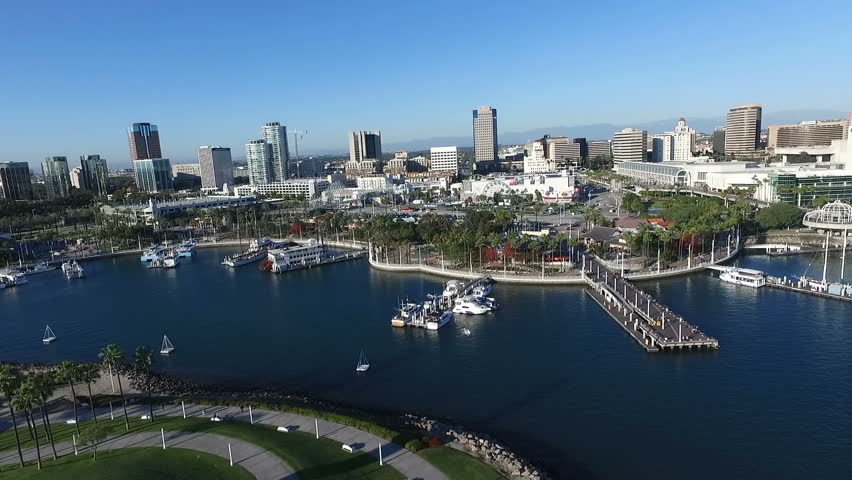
629 145
742 131
719 140
600 149
15 182
76 175
535 160
684 141
275 135
584 147
807 134
153 175
94 174
217 168
144 141
485 137
259 157
445 159
662 147
57 180
365 146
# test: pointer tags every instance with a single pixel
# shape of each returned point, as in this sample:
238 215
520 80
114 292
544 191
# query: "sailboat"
49 336
363 364
167 347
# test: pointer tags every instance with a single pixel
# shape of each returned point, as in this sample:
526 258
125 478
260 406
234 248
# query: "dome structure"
833 216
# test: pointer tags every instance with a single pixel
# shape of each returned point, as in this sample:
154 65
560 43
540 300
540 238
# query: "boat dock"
648 321
784 284
431 313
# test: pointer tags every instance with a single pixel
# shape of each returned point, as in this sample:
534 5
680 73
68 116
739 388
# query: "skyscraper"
485 137
444 159
742 132
76 175
365 145
15 183
144 141
275 135
629 145
684 141
153 175
259 157
217 168
57 180
94 174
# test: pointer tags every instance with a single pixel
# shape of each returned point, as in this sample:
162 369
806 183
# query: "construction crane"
298 135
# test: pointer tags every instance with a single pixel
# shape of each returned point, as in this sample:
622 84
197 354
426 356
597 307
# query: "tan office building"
807 134
742 132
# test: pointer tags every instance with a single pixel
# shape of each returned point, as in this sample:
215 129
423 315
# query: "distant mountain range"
604 131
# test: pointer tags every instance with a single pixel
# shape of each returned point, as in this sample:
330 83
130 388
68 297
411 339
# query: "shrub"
434 442
415 445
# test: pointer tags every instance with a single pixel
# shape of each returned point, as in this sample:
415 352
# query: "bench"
283 429
347 448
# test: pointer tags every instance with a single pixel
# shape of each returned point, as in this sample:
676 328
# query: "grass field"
458 465
134 464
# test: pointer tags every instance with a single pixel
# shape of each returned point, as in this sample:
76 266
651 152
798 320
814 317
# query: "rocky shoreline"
478 445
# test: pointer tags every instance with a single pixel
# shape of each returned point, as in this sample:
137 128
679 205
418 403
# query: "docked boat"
171 260
12 278
167 346
363 363
245 258
452 288
406 312
482 290
434 322
152 253
42 267
158 262
469 307
72 269
295 257
743 276
186 249
49 336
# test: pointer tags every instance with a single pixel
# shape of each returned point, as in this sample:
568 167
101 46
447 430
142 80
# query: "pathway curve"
259 462
407 463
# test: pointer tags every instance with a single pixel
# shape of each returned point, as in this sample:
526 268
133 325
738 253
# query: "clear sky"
74 75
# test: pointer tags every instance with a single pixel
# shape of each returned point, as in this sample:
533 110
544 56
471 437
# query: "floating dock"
780 283
429 313
651 323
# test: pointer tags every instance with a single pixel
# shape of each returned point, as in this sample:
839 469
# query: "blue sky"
74 75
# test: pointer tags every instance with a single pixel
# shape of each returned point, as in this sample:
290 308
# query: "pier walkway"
651 323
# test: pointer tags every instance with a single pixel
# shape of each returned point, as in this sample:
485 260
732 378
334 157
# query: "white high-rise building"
259 156
445 159
629 145
275 135
77 177
217 168
684 142
535 161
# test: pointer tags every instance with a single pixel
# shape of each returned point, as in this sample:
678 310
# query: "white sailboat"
363 363
167 347
49 336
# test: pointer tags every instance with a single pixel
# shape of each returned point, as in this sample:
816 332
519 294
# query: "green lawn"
458 465
134 464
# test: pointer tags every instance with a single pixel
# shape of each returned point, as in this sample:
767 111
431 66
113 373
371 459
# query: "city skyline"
193 110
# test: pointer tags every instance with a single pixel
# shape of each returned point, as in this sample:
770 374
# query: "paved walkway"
410 465
259 462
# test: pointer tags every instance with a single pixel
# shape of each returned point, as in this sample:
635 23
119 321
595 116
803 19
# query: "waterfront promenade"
403 460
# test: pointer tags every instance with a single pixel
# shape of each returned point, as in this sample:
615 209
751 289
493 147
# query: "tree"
112 356
69 372
143 359
25 399
93 435
10 379
632 203
779 215
90 374
43 388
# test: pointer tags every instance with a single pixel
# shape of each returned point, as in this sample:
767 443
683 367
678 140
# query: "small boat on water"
42 267
167 347
466 331
49 336
471 307
73 269
152 253
171 260
186 249
743 276
406 312
11 278
363 363
482 290
435 323
452 288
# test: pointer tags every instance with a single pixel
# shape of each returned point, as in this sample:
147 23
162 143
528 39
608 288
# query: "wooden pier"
652 324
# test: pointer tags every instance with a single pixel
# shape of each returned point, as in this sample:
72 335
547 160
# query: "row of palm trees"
29 393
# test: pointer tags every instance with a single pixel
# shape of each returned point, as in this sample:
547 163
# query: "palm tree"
44 387
143 359
10 379
69 372
90 374
25 399
112 356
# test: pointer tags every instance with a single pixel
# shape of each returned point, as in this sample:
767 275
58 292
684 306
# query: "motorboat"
72 269
42 267
171 260
470 308
406 312
434 323
482 290
452 288
743 276
152 253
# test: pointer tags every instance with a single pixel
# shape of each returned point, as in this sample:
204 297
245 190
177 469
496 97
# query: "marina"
296 257
437 311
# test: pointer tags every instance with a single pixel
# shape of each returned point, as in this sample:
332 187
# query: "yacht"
435 323
452 288
186 249
152 253
471 308
16 277
171 260
743 276
40 268
245 258
481 290
72 269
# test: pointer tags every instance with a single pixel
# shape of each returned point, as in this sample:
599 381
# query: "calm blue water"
550 373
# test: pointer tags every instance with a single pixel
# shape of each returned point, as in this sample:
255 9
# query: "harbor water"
549 373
